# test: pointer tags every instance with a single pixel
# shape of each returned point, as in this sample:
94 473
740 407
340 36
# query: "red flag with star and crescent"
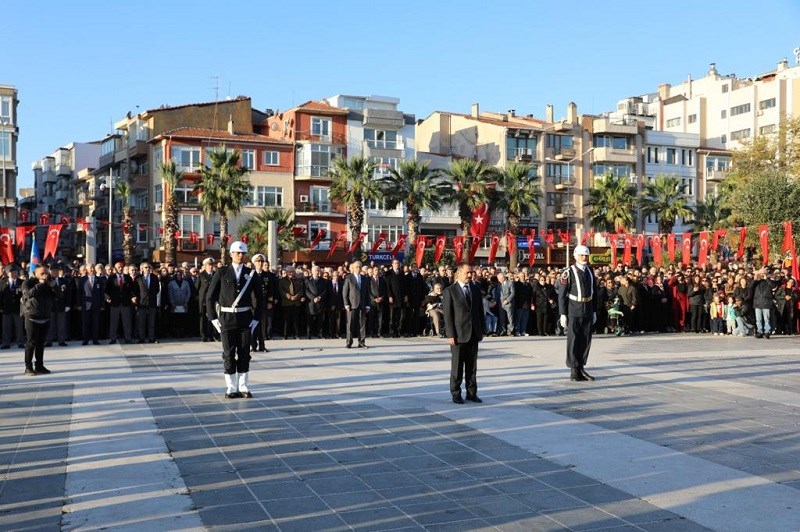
381 238
788 245
627 246
511 243
6 247
718 233
763 239
655 243
473 248
686 248
640 243
401 245
441 242
671 247
480 221
209 239
21 233
494 246
24 216
702 256
341 239
458 247
742 236
531 237
356 243
419 249
51 243
614 243
321 232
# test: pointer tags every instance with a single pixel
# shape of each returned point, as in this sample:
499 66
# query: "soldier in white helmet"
577 298
240 303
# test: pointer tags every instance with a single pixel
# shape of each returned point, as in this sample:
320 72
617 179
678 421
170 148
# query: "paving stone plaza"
679 432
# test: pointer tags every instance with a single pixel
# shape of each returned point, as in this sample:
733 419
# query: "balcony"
312 172
564 154
523 154
323 208
62 195
63 170
137 148
618 126
441 217
563 183
84 198
565 210
383 118
617 155
562 127
331 138
49 177
716 175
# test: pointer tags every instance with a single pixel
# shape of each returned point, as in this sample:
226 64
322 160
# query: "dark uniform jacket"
9 299
64 288
203 282
581 285
299 291
224 290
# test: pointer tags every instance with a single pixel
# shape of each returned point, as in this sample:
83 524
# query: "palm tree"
471 182
665 197
257 230
352 182
612 201
519 196
417 187
222 189
710 214
124 193
170 178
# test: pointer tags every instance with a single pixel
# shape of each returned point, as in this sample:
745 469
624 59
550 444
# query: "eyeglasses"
237 252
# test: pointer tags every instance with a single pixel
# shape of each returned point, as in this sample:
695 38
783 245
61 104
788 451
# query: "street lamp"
110 184
569 209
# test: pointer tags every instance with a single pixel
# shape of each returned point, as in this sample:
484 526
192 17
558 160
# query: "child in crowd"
717 316
730 315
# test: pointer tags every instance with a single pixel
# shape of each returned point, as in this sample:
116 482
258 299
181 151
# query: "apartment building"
378 130
9 134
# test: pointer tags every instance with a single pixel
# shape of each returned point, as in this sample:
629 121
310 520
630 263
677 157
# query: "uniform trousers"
464 366
236 350
58 327
12 329
91 324
579 340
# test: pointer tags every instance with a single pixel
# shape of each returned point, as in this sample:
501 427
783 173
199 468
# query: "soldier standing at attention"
240 302
576 303
203 282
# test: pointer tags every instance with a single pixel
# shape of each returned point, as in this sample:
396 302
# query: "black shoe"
458 399
62 344
112 342
154 341
128 341
29 372
349 346
586 375
42 371
85 343
140 342
766 336
759 335
234 395
21 346
246 395
49 344
575 375
363 346
95 342
474 399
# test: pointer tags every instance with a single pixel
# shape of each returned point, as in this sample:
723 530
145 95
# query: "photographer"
38 300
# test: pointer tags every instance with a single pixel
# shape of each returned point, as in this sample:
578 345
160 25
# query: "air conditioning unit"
760 113
303 198
157 207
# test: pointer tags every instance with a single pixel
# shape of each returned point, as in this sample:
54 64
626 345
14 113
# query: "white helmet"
580 250
238 246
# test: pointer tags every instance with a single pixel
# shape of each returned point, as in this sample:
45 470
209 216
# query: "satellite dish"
274 126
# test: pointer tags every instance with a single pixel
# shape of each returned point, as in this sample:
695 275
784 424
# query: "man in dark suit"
240 302
379 301
397 288
335 305
92 298
293 295
145 294
462 305
207 332
356 295
317 296
10 297
63 287
118 296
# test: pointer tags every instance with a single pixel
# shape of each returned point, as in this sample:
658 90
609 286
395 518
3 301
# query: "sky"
80 66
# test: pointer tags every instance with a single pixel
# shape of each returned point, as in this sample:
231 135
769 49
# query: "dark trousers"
236 350
375 320
206 329
146 318
541 321
335 323
697 317
356 326
291 320
12 329
314 323
261 332
115 315
395 321
464 366
34 347
579 340
58 327
91 324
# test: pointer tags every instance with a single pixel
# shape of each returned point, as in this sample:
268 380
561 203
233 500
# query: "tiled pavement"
677 433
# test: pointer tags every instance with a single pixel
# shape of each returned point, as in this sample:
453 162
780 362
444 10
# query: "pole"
569 207
110 214
272 239
5 154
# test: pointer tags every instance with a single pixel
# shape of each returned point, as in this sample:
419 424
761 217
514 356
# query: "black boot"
575 375
585 375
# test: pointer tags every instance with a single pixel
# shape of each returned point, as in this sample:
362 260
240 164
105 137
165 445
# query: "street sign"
384 257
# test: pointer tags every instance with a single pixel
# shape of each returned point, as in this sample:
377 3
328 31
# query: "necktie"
148 282
358 281
120 280
291 287
466 295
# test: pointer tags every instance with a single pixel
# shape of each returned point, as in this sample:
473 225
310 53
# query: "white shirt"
237 269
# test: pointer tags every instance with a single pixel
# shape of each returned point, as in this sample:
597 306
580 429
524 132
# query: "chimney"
712 69
230 124
689 87
783 64
548 113
512 113
663 90
476 110
572 113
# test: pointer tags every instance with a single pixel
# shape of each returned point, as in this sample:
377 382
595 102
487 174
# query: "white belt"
234 309
580 299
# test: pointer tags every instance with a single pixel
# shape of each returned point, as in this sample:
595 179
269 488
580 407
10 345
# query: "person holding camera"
38 300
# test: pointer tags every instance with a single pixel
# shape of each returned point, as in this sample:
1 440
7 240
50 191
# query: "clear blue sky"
79 66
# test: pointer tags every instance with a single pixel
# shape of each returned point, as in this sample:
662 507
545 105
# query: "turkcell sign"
522 242
384 257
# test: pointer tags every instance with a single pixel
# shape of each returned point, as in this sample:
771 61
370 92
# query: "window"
320 159
690 158
186 158
688 186
185 194
374 205
718 162
249 159
725 88
766 104
655 155
209 149
691 119
740 109
5 144
392 234
215 228
140 202
190 222
141 233
740 134
5 109
559 171
618 170
321 127
672 156
157 232
269 196
320 198
557 142
766 130
272 158
158 194
723 114
383 166
673 122
377 138
313 228
649 154
724 138
520 147
107 147
606 141
158 160
555 199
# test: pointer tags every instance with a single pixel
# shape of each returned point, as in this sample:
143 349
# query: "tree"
257 230
665 198
472 182
519 194
612 201
223 189
124 192
768 153
417 187
352 182
710 214
170 178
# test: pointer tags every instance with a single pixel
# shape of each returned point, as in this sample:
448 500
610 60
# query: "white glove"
217 325
66 309
594 318
253 325
563 321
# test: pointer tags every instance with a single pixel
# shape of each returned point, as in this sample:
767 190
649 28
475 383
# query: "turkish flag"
719 233
6 247
613 239
44 219
193 237
531 248
400 245
742 235
493 247
671 247
702 257
378 241
296 231
209 239
458 247
564 236
640 243
511 243
627 245
473 248
550 237
441 242
763 238
83 224
244 238
227 239
356 243
178 234
24 215
655 243
51 243
341 239
686 248
420 250
66 220
588 236
480 221
160 230
788 238
320 235
21 233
